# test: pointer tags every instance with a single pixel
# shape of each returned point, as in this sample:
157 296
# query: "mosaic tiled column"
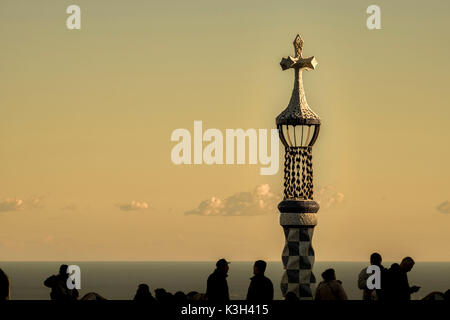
298 127
298 219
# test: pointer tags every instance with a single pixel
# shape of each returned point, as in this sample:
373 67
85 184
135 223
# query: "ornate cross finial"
298 111
298 62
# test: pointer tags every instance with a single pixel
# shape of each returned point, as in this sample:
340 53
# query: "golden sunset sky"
86 118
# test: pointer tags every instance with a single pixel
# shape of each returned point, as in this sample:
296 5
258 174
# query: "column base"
298 219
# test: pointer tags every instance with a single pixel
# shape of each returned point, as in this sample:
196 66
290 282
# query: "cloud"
15 204
444 207
133 205
10 204
328 197
34 202
258 202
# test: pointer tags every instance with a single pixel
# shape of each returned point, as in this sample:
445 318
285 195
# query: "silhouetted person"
179 297
58 284
170 298
4 286
261 288
217 286
143 294
330 288
162 296
371 294
291 297
396 285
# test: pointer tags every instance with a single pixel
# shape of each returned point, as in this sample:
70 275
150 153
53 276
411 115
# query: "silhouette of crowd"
394 286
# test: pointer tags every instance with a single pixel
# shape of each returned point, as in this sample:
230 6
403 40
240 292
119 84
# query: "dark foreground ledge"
233 310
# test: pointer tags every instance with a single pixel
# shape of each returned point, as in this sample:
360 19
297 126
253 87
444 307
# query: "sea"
119 280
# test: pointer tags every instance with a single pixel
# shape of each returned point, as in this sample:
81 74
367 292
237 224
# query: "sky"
86 118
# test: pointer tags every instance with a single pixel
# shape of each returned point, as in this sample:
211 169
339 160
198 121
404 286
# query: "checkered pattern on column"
298 260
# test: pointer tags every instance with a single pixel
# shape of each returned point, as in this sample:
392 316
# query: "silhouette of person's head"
259 267
407 264
143 289
161 294
222 265
329 275
4 286
143 293
63 270
375 259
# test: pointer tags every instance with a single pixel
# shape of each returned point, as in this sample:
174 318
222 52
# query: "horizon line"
231 261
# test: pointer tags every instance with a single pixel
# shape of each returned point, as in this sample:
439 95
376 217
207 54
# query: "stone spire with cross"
298 128
298 112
